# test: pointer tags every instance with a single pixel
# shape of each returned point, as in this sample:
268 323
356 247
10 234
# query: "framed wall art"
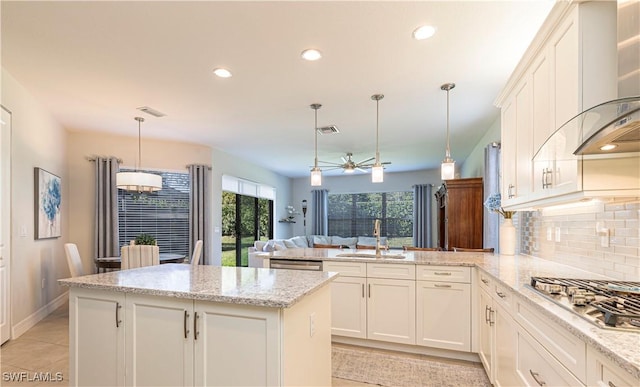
48 197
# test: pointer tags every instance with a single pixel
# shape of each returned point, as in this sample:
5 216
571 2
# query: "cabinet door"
486 319
508 153
159 349
349 307
542 126
524 139
236 345
96 338
505 344
391 310
444 315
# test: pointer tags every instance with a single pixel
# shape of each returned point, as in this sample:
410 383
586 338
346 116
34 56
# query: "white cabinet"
374 301
504 344
602 372
486 321
391 310
96 338
571 66
130 339
443 307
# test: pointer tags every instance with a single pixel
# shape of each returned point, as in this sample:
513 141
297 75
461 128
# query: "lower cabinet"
486 321
505 337
443 306
349 307
603 372
391 310
182 342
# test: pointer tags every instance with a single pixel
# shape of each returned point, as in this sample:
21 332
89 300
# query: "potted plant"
507 237
145 239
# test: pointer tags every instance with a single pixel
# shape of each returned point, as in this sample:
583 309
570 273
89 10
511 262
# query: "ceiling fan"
350 166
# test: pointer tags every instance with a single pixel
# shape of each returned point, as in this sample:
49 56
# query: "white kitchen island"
175 325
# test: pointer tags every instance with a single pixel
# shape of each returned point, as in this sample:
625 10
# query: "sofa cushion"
274 245
300 241
371 241
349 242
259 245
321 240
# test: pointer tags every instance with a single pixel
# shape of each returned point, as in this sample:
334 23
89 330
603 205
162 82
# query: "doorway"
245 219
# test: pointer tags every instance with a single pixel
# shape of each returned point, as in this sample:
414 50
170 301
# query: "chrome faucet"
376 233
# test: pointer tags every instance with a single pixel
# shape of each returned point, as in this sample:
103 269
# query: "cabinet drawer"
391 270
537 367
603 372
484 281
568 349
346 269
461 274
503 296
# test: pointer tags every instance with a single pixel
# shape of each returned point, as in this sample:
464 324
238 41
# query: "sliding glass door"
245 219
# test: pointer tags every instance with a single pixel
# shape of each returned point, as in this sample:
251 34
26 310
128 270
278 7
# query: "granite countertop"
514 272
237 285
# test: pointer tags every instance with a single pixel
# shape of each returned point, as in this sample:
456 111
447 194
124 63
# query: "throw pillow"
289 243
321 239
300 241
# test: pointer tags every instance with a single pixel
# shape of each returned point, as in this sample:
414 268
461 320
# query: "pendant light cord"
315 107
377 98
140 121
448 151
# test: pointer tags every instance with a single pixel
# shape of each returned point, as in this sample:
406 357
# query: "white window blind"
163 214
248 188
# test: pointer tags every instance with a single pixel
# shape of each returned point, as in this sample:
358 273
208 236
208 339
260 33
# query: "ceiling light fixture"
222 72
608 147
311 54
377 170
424 32
138 181
316 172
448 168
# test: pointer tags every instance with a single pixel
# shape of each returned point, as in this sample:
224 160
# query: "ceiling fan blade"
343 159
360 169
365 161
329 162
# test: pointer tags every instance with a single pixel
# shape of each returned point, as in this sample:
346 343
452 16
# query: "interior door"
5 222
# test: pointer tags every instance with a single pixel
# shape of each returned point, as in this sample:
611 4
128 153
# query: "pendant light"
377 171
316 173
138 181
448 168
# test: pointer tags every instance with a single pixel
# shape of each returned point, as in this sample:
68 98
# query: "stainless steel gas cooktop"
607 304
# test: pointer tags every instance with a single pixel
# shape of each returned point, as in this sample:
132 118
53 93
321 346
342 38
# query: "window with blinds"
163 214
352 215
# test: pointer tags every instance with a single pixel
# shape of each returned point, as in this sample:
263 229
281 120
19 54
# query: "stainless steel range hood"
614 126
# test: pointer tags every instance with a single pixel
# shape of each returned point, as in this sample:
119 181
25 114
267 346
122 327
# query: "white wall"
473 165
401 181
37 141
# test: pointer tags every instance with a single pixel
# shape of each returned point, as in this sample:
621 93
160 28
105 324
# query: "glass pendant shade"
138 181
316 177
448 169
377 173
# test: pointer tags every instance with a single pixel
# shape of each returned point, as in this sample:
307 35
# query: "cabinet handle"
369 286
610 383
195 325
186 318
441 286
485 281
442 273
502 295
536 377
491 314
118 321
510 191
362 290
486 313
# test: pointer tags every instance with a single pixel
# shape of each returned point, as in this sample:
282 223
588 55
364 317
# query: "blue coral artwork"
48 197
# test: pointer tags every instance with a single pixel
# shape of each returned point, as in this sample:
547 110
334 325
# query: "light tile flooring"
43 352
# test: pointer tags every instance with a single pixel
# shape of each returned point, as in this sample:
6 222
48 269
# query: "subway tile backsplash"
602 238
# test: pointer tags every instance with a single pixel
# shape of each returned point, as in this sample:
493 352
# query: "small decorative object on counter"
507 229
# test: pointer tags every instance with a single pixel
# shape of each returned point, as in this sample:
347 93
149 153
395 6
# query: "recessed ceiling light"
311 54
222 72
424 32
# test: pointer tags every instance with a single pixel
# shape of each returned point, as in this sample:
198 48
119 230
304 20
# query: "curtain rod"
94 158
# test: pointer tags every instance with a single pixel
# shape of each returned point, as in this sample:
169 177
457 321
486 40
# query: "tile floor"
43 352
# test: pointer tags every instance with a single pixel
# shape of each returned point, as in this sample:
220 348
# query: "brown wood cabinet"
460 212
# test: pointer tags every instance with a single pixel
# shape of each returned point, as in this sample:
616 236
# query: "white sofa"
306 242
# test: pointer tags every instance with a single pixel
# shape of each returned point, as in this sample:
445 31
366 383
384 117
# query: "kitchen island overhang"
202 325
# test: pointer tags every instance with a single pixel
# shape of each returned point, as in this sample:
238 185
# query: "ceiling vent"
151 111
331 129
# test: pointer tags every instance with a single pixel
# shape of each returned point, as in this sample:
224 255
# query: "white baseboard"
414 349
20 328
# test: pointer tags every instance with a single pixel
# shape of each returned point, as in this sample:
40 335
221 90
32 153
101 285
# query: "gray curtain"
106 208
199 209
422 215
491 186
319 211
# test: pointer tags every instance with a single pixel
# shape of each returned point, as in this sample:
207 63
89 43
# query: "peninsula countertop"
514 272
237 285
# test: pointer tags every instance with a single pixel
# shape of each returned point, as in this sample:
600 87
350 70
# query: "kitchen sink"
370 255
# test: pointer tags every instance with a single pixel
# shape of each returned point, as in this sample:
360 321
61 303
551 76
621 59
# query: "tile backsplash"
602 238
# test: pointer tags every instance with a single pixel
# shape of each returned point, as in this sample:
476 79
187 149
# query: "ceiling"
92 64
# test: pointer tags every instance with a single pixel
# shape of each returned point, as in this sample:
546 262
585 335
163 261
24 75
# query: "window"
354 214
163 214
